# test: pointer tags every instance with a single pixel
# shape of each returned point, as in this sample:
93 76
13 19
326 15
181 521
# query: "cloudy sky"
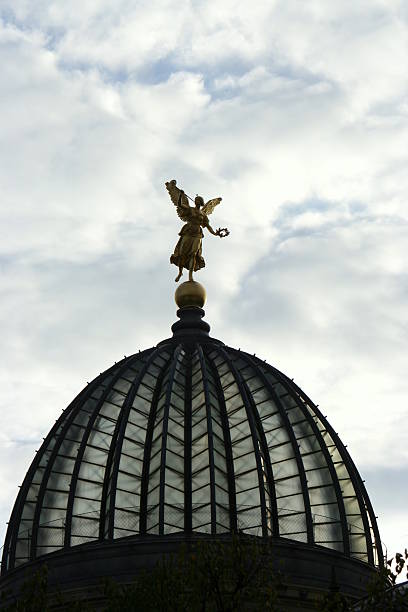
296 114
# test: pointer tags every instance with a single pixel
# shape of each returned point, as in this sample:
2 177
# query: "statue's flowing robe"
189 245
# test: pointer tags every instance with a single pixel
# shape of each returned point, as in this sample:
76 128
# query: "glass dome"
191 436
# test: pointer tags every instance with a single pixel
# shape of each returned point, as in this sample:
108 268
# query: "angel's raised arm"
179 199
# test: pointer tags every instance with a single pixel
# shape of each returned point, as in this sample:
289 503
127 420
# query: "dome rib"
248 409
89 430
51 445
177 357
227 442
16 521
188 502
366 510
108 501
77 460
329 461
358 486
268 480
295 447
144 487
210 439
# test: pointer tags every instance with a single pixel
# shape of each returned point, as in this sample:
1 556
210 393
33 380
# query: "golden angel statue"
187 253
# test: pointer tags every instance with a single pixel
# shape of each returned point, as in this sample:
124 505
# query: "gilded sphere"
190 293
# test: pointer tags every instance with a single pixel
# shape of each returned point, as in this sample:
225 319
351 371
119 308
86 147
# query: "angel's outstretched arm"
210 229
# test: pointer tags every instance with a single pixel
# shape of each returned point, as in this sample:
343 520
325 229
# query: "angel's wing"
210 205
179 199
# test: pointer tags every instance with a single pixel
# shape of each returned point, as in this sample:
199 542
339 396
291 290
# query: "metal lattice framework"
191 436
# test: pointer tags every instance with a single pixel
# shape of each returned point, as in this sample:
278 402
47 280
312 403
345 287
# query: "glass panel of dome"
140 409
329 510
51 535
318 476
134 433
219 444
322 495
116 397
126 481
201 495
145 393
176 423
33 492
221 495
109 410
69 448
86 488
249 519
248 497
285 468
155 461
149 381
198 481
94 454
170 528
47 515
312 459
153 521
302 429
221 466
28 512
199 422
199 478
97 446
358 540
154 492
294 526
133 448
222 524
276 438
201 518
239 431
233 399
289 503
329 535
269 414
87 526
244 462
105 423
175 462
54 499
63 464
173 496
126 499
126 519
198 400
91 471
75 432
280 453
83 505
175 479
23 550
